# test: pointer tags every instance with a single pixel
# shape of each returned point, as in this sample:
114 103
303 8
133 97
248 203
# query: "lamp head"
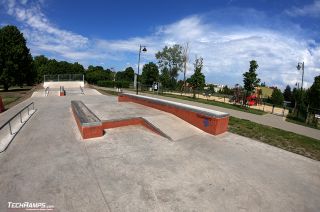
144 49
299 66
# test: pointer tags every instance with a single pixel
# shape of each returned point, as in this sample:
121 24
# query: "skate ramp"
173 127
66 85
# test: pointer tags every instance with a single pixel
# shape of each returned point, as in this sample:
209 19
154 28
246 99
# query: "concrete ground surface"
268 119
133 169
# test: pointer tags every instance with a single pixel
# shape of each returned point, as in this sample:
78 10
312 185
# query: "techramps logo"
30 206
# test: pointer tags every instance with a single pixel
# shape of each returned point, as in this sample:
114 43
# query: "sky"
227 34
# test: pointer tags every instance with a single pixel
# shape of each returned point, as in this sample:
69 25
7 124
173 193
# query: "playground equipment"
252 100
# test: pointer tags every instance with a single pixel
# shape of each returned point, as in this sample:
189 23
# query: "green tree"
197 80
40 63
97 73
226 90
211 89
150 74
287 94
95 68
250 79
165 78
277 97
44 66
15 58
128 74
171 59
313 94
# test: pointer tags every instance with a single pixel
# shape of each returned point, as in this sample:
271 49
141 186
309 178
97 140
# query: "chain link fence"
63 77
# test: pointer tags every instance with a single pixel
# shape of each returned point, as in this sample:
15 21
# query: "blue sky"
227 34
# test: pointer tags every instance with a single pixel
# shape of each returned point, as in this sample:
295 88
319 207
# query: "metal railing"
46 91
17 114
81 89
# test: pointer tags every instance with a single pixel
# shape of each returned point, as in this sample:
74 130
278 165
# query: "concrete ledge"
88 123
210 121
90 126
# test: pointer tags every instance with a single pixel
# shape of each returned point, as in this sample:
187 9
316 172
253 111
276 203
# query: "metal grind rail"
81 89
46 91
8 123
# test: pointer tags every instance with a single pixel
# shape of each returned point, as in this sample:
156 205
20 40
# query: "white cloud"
312 10
226 50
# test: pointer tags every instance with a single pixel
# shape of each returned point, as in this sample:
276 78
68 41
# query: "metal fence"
63 77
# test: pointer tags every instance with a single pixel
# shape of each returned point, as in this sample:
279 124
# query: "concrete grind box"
210 121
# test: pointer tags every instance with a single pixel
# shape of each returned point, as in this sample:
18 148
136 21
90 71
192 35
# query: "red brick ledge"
210 121
88 123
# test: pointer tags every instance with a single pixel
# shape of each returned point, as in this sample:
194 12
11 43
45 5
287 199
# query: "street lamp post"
144 49
301 66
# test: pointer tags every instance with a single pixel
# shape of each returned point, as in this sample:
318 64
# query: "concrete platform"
133 169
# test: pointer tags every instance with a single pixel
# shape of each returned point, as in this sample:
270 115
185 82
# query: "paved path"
268 119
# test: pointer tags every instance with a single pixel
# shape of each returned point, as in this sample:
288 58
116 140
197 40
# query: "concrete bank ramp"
69 92
173 127
65 84
38 94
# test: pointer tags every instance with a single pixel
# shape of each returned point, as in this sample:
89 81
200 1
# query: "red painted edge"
212 125
88 131
1 105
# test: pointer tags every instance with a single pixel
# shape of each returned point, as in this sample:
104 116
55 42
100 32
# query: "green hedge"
111 84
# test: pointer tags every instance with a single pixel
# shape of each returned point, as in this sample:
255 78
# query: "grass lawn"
301 123
15 95
289 141
219 104
9 99
108 92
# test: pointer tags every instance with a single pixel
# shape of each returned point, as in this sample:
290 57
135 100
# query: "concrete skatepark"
134 169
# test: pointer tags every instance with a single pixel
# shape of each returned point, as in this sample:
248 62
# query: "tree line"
18 67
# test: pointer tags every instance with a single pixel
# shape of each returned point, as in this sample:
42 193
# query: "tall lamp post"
144 49
301 66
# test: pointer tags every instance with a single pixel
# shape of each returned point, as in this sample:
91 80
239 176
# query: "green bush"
93 77
111 84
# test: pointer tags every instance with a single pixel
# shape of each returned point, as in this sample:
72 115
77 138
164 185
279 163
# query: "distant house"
216 87
266 91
